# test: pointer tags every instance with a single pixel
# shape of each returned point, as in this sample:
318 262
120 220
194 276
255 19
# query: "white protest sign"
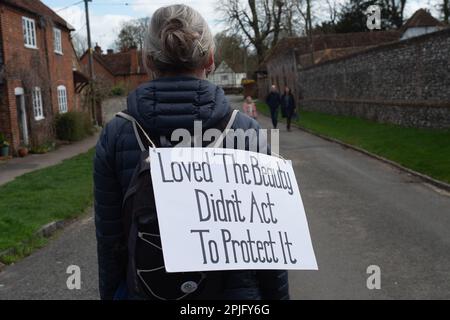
225 209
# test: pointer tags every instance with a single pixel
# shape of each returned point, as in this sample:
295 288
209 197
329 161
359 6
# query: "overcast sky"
108 15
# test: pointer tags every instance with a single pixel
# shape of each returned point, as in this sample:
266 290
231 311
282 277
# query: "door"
21 116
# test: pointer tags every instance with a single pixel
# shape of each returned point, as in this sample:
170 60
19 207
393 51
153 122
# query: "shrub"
118 90
3 141
73 126
44 148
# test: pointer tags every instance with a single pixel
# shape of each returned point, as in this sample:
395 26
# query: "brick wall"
103 77
11 114
263 86
5 125
405 83
1 52
131 82
61 68
282 72
105 80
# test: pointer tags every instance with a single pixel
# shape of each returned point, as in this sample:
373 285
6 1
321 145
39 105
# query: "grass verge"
423 150
60 192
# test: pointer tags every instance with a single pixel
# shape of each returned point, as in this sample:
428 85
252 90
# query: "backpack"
146 274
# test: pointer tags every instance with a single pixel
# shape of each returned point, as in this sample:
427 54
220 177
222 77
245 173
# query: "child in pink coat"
249 108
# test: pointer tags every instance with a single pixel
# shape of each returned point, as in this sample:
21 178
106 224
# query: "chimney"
98 49
110 51
134 67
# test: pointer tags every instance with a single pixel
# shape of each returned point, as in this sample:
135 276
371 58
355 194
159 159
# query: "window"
62 99
29 32
57 41
225 78
38 109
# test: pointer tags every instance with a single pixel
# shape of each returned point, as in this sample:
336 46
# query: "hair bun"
178 41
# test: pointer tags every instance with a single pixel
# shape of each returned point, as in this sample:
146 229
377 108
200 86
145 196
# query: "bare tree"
80 44
132 34
304 8
395 9
234 50
333 11
292 23
259 21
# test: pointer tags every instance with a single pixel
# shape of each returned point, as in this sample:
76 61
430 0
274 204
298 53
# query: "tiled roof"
332 46
38 8
224 67
119 63
421 18
329 54
229 67
333 41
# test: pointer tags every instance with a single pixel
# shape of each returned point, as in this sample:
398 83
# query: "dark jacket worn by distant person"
273 100
288 105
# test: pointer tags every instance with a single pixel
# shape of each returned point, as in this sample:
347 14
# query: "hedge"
73 126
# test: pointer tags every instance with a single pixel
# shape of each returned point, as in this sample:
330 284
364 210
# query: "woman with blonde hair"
179 52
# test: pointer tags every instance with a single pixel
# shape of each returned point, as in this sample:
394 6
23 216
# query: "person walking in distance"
273 101
288 106
249 108
179 53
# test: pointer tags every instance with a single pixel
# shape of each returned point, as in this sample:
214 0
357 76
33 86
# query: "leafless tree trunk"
304 8
289 18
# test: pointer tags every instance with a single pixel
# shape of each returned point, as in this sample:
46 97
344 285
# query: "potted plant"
4 148
22 151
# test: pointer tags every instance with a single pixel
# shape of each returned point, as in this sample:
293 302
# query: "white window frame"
38 107
29 33
62 99
57 41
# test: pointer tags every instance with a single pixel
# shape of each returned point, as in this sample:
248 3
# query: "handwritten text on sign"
224 209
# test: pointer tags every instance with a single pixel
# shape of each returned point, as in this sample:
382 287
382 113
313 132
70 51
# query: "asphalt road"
43 274
361 212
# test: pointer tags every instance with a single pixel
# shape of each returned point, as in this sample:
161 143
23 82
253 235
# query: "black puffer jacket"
161 106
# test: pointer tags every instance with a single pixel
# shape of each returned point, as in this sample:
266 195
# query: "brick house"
125 69
37 71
